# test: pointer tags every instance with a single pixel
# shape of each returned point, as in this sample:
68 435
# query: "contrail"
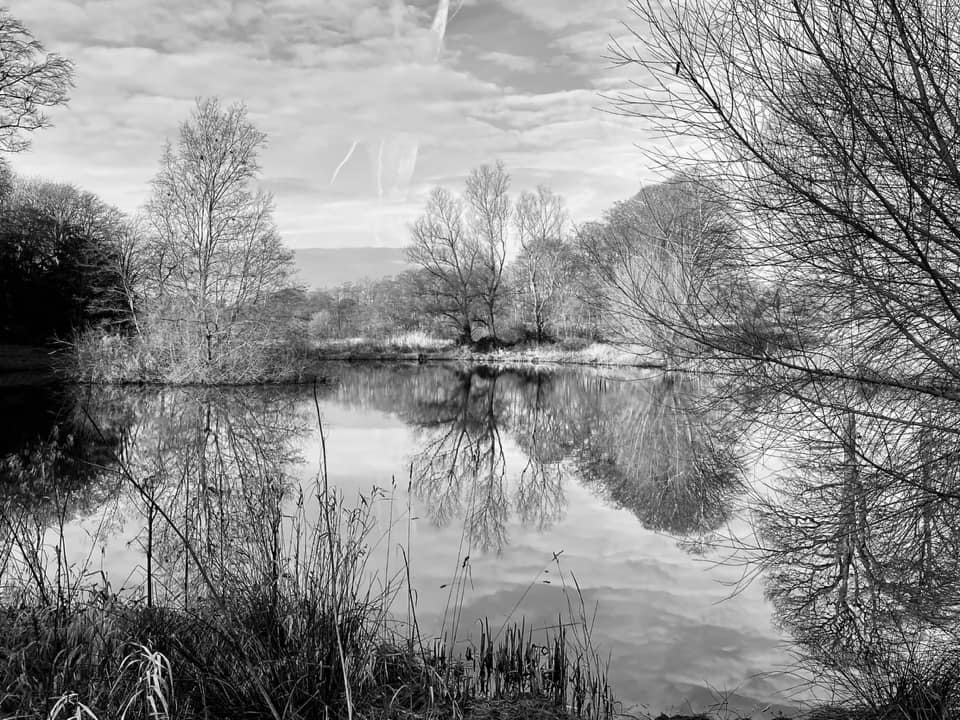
400 151
344 161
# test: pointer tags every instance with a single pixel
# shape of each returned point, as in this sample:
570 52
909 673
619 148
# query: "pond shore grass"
290 620
103 657
417 347
126 360
277 651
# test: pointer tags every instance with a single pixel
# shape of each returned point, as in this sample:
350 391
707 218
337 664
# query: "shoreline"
593 355
37 365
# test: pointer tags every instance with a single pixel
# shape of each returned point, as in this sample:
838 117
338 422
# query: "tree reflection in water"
644 444
205 472
50 450
461 467
665 457
859 541
52 462
213 474
860 545
543 436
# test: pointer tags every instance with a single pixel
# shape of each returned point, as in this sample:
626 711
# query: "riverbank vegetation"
257 595
319 640
827 130
197 287
492 271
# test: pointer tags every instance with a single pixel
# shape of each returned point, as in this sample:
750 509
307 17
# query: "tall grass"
298 624
412 341
915 677
171 352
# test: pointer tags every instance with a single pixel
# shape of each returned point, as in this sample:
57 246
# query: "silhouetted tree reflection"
212 473
54 466
861 541
644 444
461 466
205 472
663 456
49 449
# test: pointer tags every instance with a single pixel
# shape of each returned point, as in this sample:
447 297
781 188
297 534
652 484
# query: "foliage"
667 258
61 263
371 308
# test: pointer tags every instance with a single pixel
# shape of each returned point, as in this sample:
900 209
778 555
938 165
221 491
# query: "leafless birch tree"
543 266
217 246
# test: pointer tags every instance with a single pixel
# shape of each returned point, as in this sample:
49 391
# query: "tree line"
63 261
490 268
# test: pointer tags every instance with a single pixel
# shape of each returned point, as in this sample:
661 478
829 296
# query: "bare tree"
543 267
450 256
30 81
217 246
489 224
667 258
833 128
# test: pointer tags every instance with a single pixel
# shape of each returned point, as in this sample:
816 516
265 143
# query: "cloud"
318 77
517 63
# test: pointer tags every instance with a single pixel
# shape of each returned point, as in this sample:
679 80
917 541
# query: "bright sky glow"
515 80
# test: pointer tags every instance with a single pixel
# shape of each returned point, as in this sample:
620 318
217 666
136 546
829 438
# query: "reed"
296 624
921 681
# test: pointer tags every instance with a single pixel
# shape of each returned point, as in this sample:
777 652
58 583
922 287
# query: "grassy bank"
117 360
425 348
258 657
281 613
247 356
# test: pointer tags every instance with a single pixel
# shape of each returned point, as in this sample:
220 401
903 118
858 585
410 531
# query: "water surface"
511 494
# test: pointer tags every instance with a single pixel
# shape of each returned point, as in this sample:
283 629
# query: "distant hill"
327 267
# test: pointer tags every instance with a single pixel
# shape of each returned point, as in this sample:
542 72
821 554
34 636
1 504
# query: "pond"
498 496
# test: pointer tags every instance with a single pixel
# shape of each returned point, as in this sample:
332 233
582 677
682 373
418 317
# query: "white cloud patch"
319 76
516 63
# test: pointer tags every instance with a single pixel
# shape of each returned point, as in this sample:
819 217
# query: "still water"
505 494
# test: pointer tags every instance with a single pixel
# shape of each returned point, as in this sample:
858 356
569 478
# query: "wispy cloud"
320 76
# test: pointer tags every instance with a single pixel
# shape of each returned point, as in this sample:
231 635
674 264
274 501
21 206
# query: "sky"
521 81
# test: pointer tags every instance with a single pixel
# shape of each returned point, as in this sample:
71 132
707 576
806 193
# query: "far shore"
37 365
593 355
